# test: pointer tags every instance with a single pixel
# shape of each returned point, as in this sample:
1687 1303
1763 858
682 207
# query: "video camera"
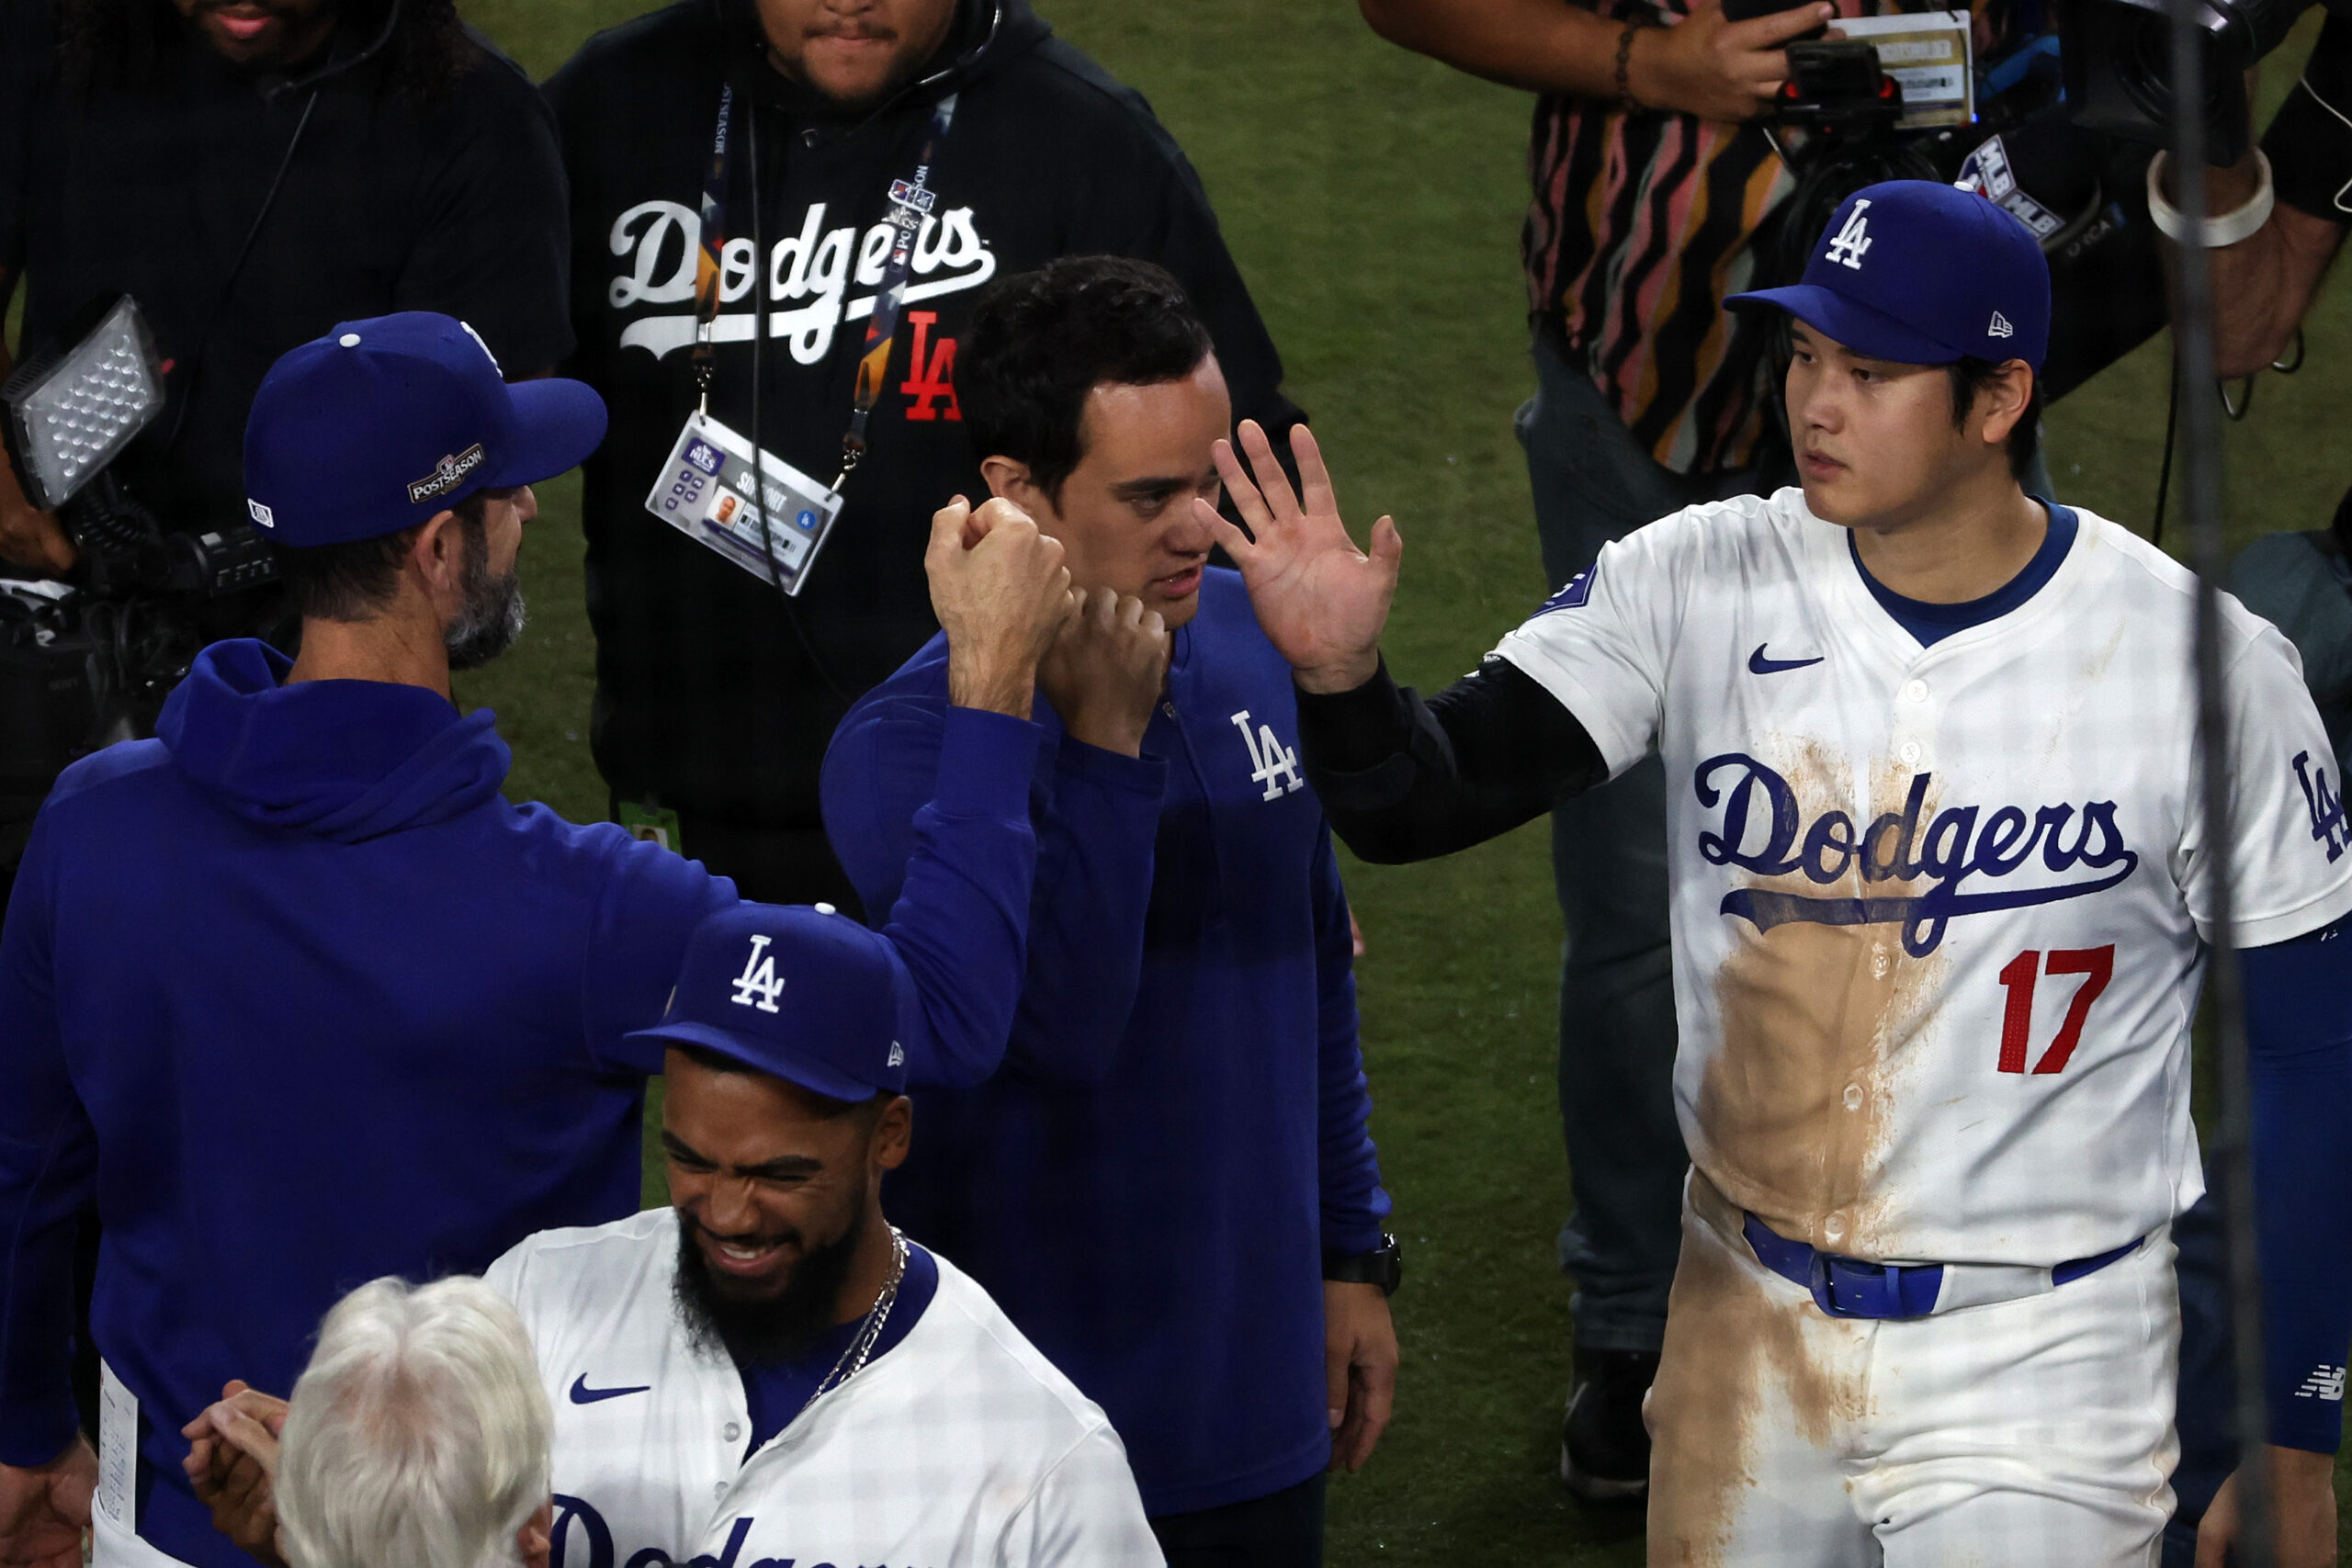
2118 65
88 663
2058 129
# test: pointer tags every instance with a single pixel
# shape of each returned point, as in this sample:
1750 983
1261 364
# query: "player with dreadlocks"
253 171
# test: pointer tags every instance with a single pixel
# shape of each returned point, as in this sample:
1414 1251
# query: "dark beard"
493 616
765 1331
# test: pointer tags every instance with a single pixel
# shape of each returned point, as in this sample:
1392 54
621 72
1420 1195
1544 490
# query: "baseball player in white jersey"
1940 884
767 1372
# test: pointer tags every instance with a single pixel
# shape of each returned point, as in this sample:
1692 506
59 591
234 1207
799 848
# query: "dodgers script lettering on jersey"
1937 911
960 1447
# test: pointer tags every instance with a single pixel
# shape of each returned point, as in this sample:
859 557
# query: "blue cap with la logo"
1923 274
798 992
383 423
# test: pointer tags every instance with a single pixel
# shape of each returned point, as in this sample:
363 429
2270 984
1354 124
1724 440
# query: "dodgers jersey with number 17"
1937 910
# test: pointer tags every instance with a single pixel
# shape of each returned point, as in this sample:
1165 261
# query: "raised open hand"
1321 602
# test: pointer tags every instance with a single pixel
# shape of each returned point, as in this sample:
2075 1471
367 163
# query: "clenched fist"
1105 671
1001 594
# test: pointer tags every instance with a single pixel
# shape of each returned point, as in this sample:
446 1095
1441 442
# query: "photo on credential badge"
706 491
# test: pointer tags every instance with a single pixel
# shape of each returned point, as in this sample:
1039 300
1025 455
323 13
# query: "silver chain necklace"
854 1357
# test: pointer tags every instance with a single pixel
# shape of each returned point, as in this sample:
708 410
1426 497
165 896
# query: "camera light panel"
105 391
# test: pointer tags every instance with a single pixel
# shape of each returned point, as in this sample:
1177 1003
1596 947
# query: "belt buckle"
1862 1285
1849 1287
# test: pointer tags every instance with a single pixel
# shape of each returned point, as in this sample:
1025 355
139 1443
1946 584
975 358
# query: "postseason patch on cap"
446 475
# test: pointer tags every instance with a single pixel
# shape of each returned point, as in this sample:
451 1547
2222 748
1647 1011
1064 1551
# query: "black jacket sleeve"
1404 780
24 47
2309 142
1148 203
494 247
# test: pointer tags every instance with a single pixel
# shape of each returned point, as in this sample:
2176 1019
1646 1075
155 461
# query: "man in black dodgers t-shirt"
715 697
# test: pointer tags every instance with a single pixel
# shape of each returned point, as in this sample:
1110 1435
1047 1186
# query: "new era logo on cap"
2000 327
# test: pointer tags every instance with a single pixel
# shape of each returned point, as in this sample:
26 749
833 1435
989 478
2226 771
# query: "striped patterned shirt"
1641 224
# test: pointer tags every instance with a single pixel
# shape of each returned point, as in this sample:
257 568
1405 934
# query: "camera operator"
252 172
2278 217
2278 213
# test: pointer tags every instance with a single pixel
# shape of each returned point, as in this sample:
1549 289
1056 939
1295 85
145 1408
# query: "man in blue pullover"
1169 1185
301 1001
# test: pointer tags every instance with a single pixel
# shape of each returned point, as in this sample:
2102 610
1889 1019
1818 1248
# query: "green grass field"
1373 201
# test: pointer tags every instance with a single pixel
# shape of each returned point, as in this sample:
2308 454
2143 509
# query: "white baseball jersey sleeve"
1937 910
959 1448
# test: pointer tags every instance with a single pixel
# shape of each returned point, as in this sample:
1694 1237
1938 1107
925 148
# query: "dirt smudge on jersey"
1745 1365
1793 1112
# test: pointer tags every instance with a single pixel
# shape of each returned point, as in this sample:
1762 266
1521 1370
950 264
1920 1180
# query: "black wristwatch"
1383 1266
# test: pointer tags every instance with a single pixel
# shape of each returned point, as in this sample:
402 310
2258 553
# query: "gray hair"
418 1435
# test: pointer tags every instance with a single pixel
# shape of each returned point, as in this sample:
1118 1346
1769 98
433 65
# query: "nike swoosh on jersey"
1760 665
583 1395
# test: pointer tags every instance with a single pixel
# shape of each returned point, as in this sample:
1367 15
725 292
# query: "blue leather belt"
1849 1287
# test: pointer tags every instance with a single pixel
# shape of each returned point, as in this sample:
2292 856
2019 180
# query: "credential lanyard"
911 203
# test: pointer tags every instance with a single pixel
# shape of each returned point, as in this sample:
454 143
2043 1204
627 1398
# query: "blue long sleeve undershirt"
2298 1051
2299 1059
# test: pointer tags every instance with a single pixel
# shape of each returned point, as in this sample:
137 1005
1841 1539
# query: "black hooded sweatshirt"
713 696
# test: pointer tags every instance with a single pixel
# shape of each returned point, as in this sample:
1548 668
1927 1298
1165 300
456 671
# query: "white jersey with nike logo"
1937 910
961 1447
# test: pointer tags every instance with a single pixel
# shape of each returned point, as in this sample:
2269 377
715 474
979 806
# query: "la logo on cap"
759 985
1852 239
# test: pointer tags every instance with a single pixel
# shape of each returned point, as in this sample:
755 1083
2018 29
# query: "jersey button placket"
1912 717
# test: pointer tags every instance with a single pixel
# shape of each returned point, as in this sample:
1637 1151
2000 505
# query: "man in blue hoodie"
1169 1186
301 1001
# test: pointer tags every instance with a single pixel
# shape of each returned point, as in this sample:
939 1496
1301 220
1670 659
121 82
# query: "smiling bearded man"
767 1368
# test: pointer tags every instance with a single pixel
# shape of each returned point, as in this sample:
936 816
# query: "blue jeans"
1594 483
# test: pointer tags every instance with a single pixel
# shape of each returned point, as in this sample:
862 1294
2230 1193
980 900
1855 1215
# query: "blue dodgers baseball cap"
1923 274
799 993
384 422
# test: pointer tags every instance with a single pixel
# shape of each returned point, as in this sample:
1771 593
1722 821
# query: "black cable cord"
759 451
236 270
2231 1146
2164 469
